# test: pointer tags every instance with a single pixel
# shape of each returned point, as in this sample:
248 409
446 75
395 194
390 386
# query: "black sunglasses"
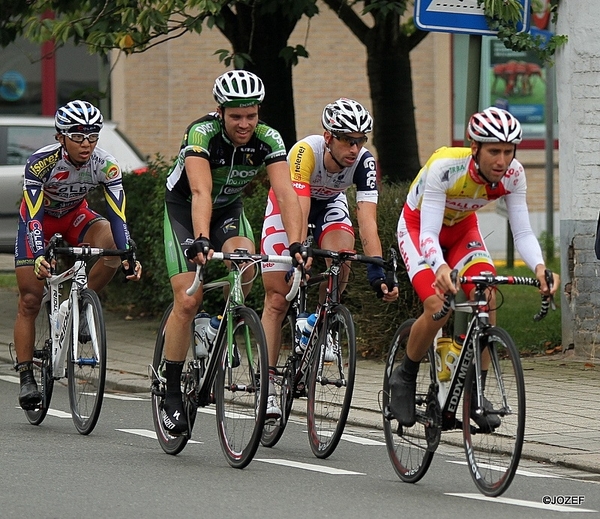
350 141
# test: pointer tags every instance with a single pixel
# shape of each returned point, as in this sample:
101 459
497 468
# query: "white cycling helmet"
495 125
238 88
346 116
78 116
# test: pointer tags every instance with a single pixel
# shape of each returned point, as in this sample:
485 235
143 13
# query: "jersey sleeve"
365 178
302 164
114 195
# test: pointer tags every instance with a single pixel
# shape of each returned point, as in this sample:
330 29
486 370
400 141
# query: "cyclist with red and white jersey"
220 154
322 168
438 231
56 182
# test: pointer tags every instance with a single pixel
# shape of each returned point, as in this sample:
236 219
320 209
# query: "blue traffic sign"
462 16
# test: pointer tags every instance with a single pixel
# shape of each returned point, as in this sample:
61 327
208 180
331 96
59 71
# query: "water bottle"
451 358
63 309
442 348
201 322
211 331
300 324
310 323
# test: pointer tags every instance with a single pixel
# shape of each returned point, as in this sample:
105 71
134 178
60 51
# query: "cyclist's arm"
432 217
526 242
200 180
366 215
279 177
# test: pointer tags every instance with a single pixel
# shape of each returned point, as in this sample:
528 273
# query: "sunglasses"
350 141
80 137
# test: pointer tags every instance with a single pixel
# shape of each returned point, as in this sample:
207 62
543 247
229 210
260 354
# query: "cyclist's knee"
29 304
275 303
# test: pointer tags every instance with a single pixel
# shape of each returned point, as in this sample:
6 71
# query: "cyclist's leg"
30 297
98 234
178 235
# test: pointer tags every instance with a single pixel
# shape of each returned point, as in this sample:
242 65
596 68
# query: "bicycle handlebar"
490 280
243 256
86 251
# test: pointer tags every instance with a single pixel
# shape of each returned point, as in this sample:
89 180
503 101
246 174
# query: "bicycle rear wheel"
241 387
170 444
407 447
493 457
273 430
331 381
87 372
42 363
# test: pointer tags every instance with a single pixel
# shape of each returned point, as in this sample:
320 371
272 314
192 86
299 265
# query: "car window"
21 141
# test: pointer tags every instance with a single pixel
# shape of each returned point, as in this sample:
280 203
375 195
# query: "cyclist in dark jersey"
57 180
219 155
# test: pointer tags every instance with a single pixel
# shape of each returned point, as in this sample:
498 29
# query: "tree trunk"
390 80
263 37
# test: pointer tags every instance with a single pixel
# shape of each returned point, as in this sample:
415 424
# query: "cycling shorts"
72 226
327 215
463 245
226 222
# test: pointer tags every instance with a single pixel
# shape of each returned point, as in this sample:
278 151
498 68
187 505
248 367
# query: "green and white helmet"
238 88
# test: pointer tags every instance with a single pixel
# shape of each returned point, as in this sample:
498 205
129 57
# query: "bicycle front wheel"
42 363
241 386
331 381
170 444
407 447
493 453
273 429
86 367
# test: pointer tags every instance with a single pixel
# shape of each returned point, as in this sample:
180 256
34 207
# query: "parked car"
19 138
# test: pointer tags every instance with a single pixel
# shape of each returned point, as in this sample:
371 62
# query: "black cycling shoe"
402 399
486 422
29 395
173 416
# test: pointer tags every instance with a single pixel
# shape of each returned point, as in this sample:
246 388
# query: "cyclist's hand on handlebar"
443 282
383 292
41 268
301 254
200 251
549 281
137 270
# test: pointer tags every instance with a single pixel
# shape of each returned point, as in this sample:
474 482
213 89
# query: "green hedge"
375 321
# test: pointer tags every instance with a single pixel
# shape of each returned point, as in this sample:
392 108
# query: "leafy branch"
503 17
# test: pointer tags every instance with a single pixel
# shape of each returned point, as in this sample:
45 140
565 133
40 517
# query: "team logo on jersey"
229 225
474 244
446 176
35 238
40 166
111 171
61 175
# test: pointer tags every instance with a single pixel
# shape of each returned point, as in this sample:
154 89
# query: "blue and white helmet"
78 116
346 116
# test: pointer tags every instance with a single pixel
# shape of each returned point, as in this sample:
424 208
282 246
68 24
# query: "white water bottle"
211 331
63 309
201 322
300 324
308 327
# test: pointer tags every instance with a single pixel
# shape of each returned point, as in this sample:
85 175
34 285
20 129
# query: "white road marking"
355 439
8 378
502 469
148 434
58 414
310 466
521 502
125 397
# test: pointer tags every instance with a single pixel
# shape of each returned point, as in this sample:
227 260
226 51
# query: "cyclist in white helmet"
438 231
219 155
322 168
56 182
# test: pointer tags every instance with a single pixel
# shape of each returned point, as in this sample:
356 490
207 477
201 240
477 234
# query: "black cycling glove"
376 278
200 245
297 247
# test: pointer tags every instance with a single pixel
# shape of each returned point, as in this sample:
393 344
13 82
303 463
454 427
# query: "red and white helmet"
495 125
346 116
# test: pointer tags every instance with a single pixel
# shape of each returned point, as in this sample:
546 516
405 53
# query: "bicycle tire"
87 373
241 387
331 384
172 445
407 447
42 364
273 431
493 457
